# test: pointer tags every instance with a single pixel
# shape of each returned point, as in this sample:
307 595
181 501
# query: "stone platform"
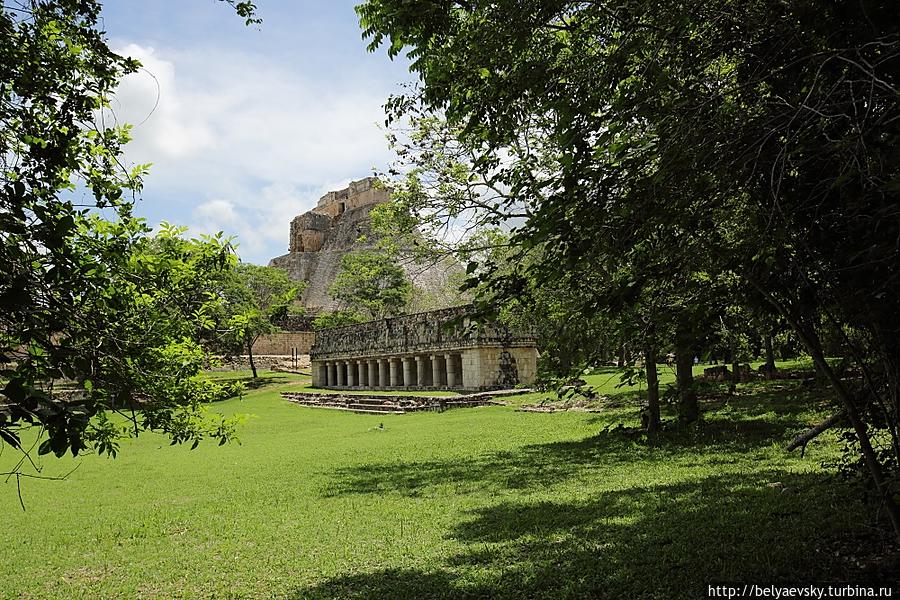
390 404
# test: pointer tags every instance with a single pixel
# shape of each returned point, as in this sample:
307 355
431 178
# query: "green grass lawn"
485 503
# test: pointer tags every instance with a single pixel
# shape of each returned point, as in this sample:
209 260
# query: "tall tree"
256 298
757 138
87 303
130 343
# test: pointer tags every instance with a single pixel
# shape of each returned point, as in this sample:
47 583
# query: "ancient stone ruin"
442 349
393 404
320 237
341 223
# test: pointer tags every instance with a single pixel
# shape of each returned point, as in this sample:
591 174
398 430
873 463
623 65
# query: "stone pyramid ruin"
341 223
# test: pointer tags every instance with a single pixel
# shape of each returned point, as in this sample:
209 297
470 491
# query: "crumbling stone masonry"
320 237
442 349
341 223
284 343
308 231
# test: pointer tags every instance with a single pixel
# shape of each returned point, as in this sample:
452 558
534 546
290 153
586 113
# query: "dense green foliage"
95 315
337 318
486 502
132 344
371 283
685 159
255 299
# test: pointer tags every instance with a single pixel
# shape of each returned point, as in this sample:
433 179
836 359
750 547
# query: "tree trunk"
807 436
865 445
250 356
621 362
688 411
810 339
653 424
735 372
770 357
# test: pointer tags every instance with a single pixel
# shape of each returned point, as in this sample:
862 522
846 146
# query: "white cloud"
151 101
220 211
260 220
241 144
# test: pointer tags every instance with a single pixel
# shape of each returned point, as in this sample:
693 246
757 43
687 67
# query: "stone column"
332 373
351 373
420 371
451 370
407 371
437 375
428 371
383 373
373 374
363 379
395 372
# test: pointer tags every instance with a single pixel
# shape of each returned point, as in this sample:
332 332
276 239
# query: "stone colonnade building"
441 349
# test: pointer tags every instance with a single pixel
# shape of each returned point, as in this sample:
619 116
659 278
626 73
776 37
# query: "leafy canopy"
684 146
96 316
255 299
371 283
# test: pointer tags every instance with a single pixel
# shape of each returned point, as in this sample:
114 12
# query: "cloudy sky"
247 127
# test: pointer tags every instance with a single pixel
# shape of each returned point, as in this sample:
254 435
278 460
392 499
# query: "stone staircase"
388 404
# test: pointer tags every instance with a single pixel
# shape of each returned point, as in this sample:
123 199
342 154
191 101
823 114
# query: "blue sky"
251 125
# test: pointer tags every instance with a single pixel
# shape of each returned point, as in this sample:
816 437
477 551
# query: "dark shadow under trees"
640 539
740 425
658 541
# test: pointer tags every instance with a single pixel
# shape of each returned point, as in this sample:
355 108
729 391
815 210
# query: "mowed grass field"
471 503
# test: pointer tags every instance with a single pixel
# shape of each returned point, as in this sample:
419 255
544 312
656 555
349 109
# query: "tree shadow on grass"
388 584
669 540
663 541
540 465
254 383
752 399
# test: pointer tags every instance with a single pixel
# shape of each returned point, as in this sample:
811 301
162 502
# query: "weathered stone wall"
320 267
443 349
358 193
311 230
498 368
262 362
308 232
284 343
446 329
292 322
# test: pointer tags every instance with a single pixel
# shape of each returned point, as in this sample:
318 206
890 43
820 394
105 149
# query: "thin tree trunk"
821 375
688 411
810 340
621 361
770 356
653 424
807 436
250 356
862 435
735 372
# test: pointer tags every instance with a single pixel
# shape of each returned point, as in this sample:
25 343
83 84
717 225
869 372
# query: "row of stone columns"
399 372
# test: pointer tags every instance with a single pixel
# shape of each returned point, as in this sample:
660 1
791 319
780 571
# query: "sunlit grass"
484 502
